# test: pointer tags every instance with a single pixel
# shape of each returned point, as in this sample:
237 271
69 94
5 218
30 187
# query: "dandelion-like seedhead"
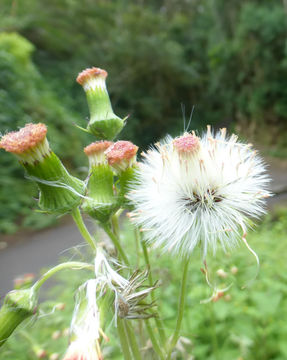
192 190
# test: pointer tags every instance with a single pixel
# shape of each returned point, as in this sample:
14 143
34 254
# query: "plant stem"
213 330
123 339
115 222
54 270
77 216
180 308
158 320
116 242
153 339
132 341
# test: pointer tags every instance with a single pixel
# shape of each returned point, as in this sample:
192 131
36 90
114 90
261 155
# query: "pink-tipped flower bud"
29 144
96 152
41 354
100 202
186 145
122 155
122 158
59 191
103 122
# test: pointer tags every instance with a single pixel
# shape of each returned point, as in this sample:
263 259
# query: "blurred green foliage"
228 59
249 323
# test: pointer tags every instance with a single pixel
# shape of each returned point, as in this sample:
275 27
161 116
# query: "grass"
244 324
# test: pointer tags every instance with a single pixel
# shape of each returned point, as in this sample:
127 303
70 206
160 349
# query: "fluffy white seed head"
192 190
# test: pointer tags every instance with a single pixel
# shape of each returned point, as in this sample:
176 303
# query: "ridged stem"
132 341
76 214
123 339
66 265
180 309
158 320
116 242
153 340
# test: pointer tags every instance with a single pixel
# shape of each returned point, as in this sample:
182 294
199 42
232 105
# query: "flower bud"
18 305
122 158
100 202
186 145
103 123
59 191
40 353
221 273
234 270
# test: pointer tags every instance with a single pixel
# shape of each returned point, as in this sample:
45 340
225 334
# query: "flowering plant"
194 190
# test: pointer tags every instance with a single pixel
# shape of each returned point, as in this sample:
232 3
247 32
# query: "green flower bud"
18 306
59 191
100 202
104 124
122 158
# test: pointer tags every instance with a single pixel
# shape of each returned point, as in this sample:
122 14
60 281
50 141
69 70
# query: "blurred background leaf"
228 59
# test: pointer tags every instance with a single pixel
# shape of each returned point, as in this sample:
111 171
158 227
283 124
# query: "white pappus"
192 190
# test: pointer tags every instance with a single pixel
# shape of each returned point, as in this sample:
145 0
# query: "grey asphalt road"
31 253
42 249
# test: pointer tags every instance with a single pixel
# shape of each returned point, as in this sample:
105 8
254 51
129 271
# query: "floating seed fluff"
192 190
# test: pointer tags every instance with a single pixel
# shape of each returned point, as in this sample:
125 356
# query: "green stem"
82 228
115 222
132 341
116 242
213 331
123 339
180 309
153 339
159 322
54 270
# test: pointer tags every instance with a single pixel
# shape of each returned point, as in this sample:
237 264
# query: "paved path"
32 253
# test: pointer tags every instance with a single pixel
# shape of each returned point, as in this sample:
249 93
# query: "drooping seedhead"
104 124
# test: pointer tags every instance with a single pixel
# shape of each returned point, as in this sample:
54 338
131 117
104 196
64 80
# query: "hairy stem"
180 308
77 216
158 320
132 341
123 339
116 242
153 339
76 265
